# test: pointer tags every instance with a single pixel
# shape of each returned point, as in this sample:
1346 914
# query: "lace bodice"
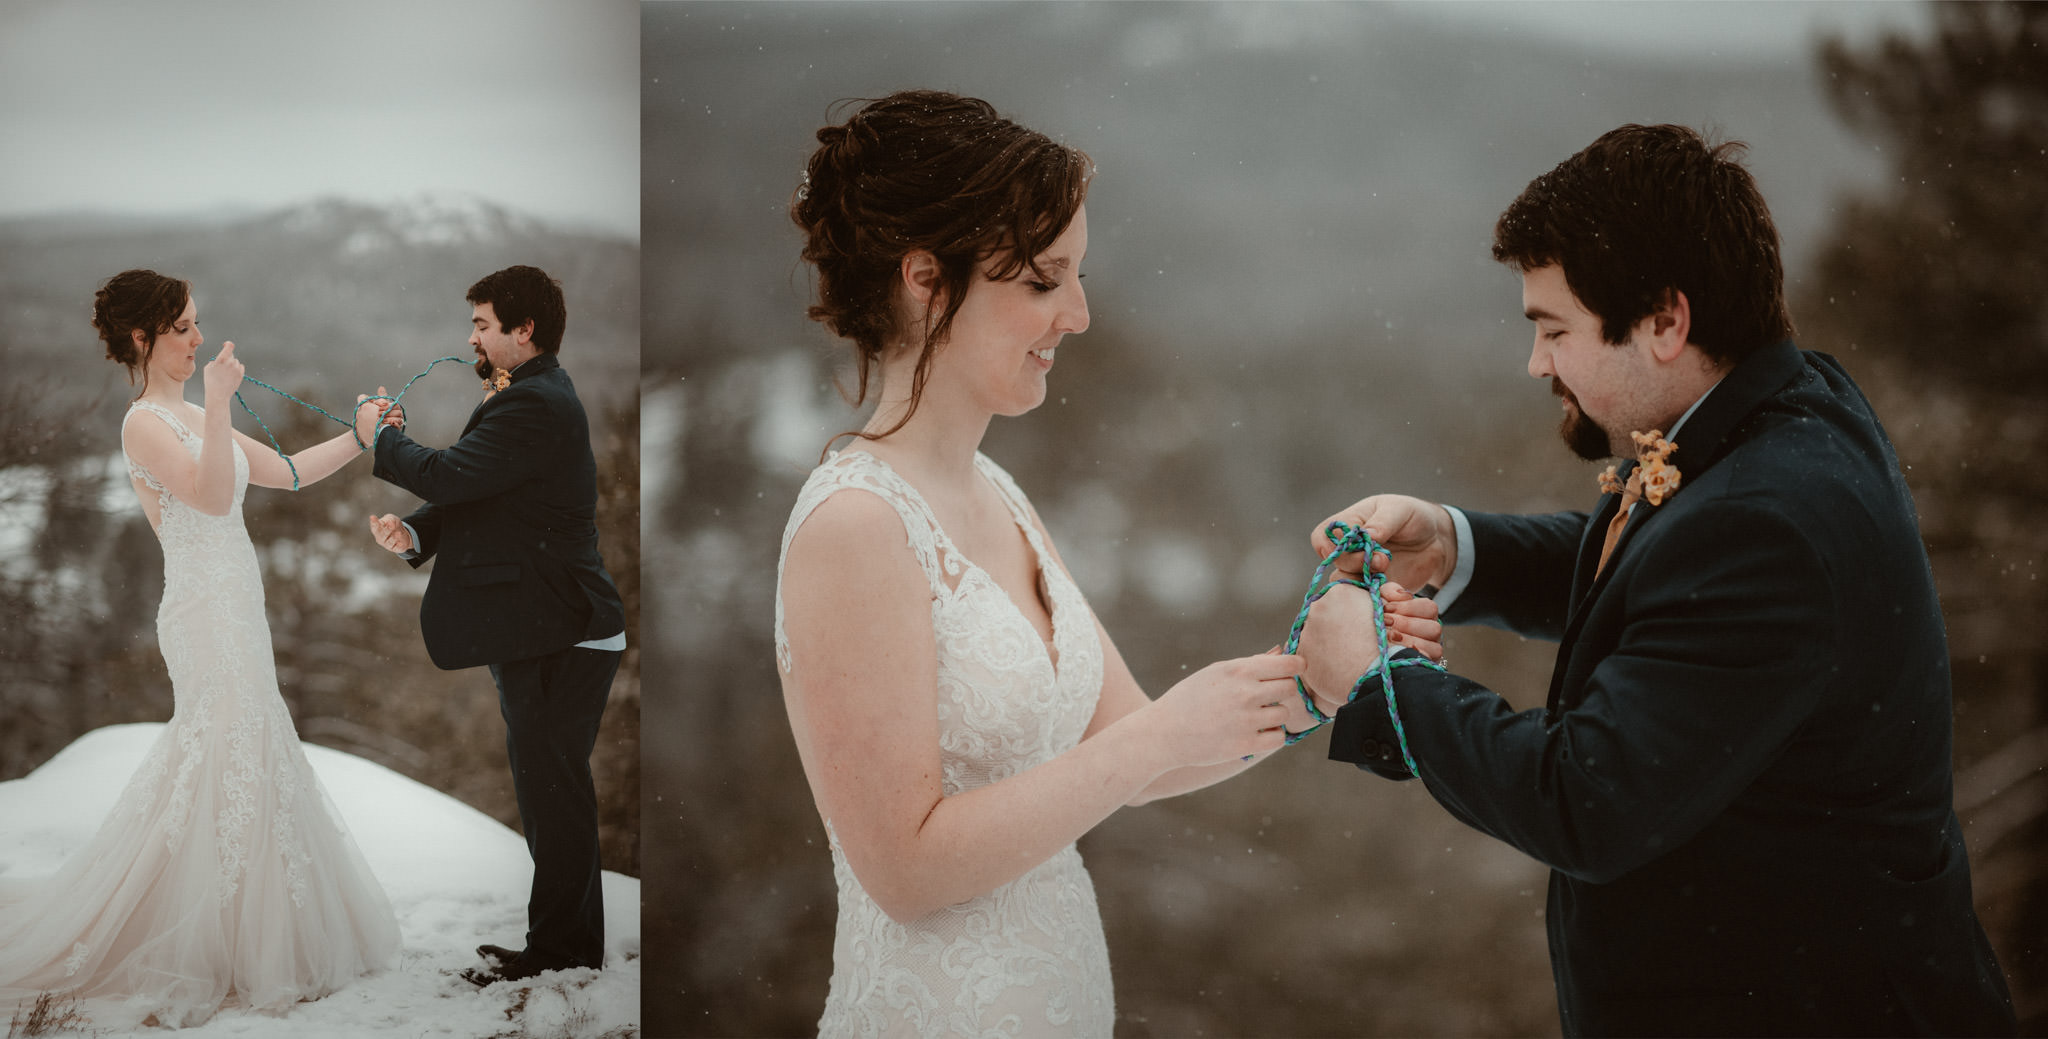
1029 957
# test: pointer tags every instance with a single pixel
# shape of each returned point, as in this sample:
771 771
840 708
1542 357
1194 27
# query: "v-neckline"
1048 647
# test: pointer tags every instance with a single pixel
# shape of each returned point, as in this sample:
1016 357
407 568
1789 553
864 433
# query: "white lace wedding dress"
223 874
1029 958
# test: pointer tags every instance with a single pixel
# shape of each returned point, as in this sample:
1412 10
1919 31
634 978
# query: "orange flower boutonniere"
500 378
1653 456
1654 478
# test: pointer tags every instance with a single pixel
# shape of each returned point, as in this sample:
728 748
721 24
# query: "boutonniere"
500 378
1654 478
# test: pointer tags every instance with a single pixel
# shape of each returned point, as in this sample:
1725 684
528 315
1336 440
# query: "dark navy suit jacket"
1741 781
511 512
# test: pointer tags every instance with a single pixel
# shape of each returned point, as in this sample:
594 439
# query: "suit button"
1386 753
1372 747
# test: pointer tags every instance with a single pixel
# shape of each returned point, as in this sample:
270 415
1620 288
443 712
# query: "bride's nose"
1073 316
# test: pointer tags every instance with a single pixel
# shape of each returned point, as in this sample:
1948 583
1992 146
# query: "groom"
520 588
1741 781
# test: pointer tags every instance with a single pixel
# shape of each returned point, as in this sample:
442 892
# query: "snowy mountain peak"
427 219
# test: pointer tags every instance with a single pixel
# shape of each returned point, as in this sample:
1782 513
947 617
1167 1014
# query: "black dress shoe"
510 971
497 954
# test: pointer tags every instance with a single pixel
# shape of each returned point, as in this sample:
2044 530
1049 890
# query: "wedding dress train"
224 873
1028 958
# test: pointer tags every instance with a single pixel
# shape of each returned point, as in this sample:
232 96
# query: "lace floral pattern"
223 812
1028 958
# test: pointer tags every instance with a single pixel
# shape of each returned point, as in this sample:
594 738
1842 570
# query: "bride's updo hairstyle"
137 299
932 171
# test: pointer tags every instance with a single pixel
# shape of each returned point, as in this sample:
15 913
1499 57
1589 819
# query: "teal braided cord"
279 448
1345 540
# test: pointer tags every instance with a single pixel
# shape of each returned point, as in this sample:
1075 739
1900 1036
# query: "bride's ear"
919 275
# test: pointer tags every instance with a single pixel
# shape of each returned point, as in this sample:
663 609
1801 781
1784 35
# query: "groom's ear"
919 273
1669 327
524 333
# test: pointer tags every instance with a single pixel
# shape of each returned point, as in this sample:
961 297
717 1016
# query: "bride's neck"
163 391
939 441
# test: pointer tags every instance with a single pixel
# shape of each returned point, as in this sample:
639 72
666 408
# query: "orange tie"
1631 493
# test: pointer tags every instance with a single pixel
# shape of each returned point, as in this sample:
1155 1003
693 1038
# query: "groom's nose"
1539 360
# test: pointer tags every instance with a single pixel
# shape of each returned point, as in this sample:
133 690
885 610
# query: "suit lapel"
539 364
1701 442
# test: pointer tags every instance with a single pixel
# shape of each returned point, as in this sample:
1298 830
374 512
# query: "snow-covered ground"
456 877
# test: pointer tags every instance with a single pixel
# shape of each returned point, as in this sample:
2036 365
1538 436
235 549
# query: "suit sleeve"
505 448
425 522
1521 573
1723 655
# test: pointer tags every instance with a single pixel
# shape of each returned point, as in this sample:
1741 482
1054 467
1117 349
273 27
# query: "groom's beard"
484 368
1581 434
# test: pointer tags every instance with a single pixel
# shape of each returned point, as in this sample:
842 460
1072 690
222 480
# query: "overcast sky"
1699 28
141 106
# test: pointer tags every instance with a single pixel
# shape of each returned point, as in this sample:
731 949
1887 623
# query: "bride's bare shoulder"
849 519
147 425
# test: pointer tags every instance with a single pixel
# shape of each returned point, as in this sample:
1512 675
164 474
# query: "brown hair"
137 300
1648 209
521 294
932 171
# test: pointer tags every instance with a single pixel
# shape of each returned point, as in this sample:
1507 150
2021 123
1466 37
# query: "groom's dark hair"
521 294
1648 209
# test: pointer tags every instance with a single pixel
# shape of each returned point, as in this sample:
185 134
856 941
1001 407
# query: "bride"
961 715
223 872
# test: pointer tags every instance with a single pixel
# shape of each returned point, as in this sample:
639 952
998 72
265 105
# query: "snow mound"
456 877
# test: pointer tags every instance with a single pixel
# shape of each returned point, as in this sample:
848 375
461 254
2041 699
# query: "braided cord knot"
1347 539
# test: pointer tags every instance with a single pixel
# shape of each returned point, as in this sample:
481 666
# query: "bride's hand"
1419 534
223 376
1227 710
1411 620
368 409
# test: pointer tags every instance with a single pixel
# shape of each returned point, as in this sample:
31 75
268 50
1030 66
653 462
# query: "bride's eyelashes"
1048 286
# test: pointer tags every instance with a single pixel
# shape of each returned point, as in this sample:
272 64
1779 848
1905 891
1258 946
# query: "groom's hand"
390 532
1339 643
1419 534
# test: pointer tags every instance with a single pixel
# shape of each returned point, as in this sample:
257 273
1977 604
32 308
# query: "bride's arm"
208 483
861 693
1122 696
316 463
268 469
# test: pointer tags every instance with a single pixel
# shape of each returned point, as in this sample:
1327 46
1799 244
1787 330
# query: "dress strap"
178 427
177 424
859 470
1013 496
